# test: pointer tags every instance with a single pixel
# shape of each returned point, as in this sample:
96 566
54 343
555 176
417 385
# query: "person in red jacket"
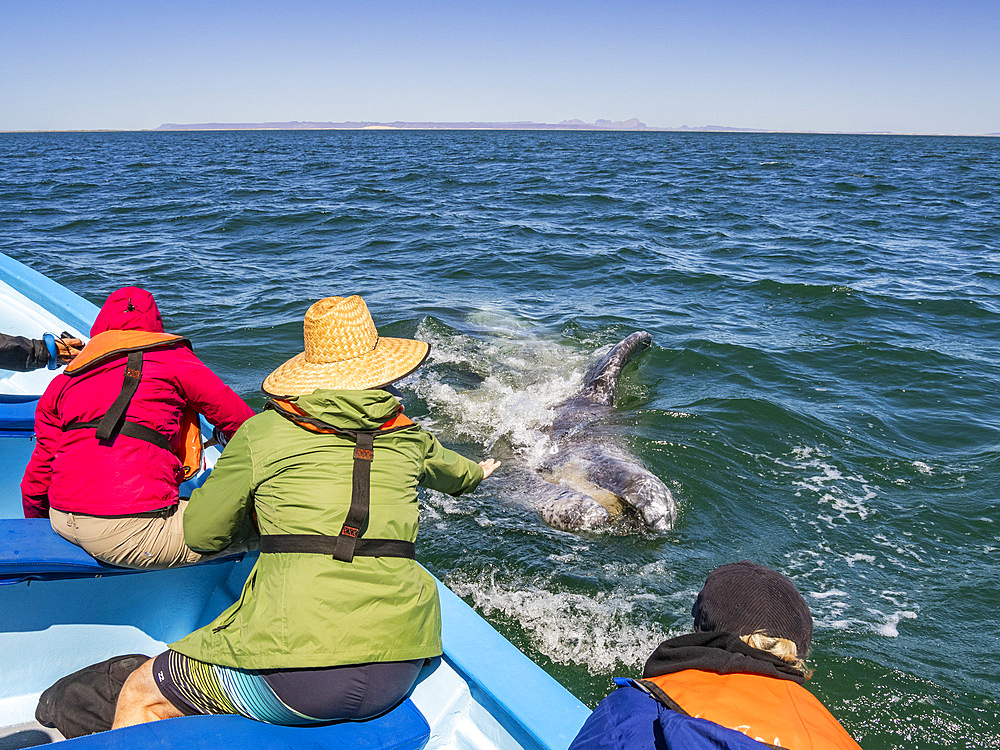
111 432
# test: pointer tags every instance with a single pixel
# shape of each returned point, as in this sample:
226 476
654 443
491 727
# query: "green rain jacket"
309 610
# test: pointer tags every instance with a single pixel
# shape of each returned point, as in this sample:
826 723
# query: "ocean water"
822 394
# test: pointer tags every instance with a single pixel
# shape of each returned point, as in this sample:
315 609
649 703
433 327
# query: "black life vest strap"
113 423
129 429
319 544
659 695
347 543
110 424
357 514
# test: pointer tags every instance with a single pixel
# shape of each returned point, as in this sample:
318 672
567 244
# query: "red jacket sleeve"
48 434
205 391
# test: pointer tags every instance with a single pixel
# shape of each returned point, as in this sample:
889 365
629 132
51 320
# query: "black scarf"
723 653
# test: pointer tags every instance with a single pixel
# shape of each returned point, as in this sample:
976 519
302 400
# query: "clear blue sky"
904 66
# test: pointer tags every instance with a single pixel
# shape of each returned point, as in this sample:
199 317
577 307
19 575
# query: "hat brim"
390 360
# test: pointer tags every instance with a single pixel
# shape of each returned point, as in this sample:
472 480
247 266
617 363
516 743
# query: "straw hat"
344 351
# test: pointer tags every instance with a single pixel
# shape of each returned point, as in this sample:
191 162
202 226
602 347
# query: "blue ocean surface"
822 394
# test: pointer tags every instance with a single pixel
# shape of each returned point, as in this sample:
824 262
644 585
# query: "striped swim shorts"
284 696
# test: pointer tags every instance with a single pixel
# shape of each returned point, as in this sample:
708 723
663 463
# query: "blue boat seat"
31 550
403 728
17 412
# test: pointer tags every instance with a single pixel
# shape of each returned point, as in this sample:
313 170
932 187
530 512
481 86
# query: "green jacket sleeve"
217 514
447 471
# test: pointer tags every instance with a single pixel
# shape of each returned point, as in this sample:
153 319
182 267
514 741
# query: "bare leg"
141 700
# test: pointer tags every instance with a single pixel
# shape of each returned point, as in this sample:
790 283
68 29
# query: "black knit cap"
745 598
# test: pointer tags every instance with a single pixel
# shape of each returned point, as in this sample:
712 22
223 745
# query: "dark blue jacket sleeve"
19 353
625 720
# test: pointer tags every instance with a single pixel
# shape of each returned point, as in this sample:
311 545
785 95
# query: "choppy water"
821 396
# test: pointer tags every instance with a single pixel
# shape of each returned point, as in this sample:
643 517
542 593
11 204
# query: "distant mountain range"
632 124
626 125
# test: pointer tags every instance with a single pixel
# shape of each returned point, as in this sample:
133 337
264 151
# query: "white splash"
827 594
518 382
859 557
598 631
847 496
890 628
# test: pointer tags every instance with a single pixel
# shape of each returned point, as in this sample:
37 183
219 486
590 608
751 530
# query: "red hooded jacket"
70 471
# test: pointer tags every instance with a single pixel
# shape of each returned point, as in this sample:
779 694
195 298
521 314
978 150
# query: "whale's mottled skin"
591 476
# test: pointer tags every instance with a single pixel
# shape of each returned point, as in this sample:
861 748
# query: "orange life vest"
110 345
771 710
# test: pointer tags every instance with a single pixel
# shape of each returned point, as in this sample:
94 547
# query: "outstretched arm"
22 354
452 473
205 391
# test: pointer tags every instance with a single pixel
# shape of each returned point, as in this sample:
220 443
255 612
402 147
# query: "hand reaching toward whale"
489 466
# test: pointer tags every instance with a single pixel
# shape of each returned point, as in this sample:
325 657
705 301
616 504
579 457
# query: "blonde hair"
783 648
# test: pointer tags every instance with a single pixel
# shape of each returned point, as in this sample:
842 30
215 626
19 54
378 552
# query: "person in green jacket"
336 618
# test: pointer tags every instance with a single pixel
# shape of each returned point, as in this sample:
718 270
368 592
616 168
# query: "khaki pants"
146 541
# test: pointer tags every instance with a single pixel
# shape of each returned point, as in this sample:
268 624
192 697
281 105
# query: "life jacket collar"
110 345
295 413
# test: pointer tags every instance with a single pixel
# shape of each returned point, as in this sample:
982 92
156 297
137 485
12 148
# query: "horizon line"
601 125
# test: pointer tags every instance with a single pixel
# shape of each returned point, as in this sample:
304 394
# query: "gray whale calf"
591 476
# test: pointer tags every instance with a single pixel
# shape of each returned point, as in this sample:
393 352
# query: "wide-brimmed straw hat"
344 351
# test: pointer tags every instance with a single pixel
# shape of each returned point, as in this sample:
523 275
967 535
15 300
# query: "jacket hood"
128 309
716 651
359 410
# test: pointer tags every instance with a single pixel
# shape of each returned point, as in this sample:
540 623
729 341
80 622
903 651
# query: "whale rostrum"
590 478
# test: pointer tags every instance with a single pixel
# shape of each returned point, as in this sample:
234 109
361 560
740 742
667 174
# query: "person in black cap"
741 668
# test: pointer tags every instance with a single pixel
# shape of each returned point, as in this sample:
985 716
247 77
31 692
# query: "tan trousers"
146 541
